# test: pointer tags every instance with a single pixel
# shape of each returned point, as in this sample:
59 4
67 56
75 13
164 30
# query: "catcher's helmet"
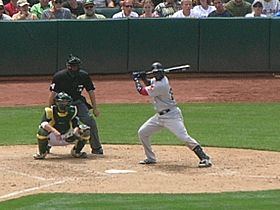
62 100
158 70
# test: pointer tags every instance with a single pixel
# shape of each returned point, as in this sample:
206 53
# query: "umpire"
73 80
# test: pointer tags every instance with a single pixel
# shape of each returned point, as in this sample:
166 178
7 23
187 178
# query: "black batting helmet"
158 70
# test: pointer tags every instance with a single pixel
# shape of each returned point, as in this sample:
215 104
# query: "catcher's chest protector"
63 121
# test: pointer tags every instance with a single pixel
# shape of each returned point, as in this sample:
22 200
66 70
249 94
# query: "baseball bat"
182 68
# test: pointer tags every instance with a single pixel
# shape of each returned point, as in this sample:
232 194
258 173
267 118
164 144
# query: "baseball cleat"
79 155
97 151
39 156
205 163
147 161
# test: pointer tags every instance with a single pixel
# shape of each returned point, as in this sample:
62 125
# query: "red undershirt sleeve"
143 91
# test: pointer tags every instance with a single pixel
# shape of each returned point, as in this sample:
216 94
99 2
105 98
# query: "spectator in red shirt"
11 8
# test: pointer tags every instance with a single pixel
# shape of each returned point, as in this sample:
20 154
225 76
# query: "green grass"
262 200
254 126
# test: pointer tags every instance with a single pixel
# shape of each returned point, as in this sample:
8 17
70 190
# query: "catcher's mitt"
69 137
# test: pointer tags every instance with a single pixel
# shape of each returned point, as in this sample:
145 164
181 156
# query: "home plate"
116 171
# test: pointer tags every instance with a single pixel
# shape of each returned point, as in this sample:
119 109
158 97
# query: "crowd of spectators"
86 9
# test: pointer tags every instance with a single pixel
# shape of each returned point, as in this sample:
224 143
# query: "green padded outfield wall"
123 45
275 45
235 45
169 41
101 44
28 48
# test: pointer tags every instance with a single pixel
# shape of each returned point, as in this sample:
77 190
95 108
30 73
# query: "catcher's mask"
158 71
62 101
73 64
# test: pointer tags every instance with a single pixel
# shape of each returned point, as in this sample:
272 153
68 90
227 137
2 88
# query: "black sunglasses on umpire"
128 6
89 7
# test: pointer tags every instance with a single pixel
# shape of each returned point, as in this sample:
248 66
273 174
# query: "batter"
168 115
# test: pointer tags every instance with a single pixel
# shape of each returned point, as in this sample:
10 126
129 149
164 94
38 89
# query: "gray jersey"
162 94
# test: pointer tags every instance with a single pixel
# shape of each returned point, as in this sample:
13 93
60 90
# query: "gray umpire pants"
87 119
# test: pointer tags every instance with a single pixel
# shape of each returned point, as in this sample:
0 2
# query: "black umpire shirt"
64 81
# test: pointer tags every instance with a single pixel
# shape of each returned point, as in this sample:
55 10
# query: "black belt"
164 111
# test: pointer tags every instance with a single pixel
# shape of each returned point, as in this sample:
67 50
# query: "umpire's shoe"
97 151
40 156
205 163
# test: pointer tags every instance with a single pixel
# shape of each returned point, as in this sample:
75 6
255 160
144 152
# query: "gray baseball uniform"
168 116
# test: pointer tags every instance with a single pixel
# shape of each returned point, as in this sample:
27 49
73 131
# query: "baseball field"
234 117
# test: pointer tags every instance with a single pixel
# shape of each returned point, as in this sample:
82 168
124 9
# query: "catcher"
60 126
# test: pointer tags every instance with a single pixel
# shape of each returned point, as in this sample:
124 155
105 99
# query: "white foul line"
30 189
24 174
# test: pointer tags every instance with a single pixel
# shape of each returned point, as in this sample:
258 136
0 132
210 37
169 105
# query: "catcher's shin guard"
79 145
76 150
43 146
43 140
43 149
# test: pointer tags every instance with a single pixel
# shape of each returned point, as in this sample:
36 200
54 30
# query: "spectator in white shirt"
186 11
204 8
126 10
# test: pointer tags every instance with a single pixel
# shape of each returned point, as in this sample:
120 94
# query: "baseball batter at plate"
60 126
168 115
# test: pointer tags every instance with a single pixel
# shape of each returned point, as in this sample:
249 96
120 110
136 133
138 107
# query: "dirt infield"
176 172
